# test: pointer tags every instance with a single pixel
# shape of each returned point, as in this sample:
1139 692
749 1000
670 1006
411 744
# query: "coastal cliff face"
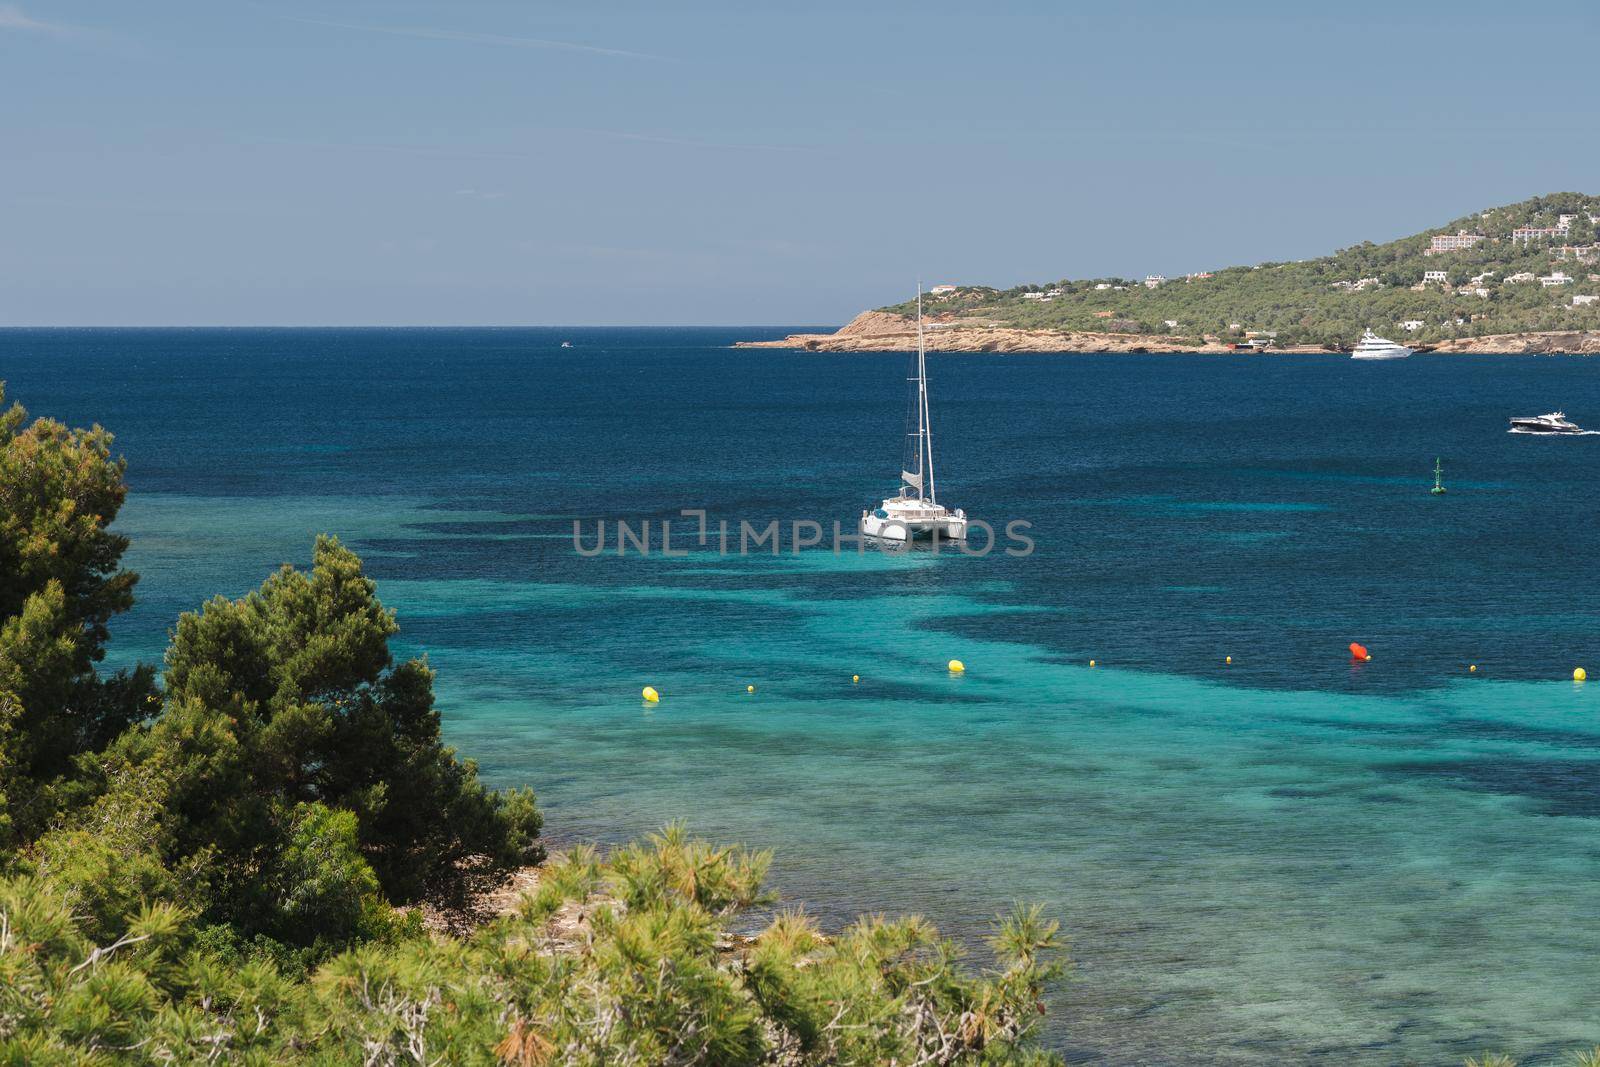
882 331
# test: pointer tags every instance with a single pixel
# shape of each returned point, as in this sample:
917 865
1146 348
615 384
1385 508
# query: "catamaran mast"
925 426
921 479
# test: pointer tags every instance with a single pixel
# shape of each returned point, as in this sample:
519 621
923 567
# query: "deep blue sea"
1289 858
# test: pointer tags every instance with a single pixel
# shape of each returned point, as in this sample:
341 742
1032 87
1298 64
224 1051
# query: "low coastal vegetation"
1523 268
232 863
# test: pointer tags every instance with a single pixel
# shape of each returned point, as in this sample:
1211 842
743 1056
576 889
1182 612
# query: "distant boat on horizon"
1374 347
915 514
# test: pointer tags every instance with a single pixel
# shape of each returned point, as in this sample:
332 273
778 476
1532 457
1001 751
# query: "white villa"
1412 325
1153 280
1580 299
942 290
1555 278
1439 276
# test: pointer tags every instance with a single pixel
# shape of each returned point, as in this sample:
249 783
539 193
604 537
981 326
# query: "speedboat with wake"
1554 423
914 513
1374 347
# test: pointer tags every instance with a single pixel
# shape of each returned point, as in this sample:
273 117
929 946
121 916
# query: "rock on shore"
1562 342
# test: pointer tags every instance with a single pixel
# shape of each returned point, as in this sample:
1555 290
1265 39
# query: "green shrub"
626 960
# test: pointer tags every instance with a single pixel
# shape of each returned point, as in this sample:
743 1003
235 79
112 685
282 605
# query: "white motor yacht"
1555 422
915 514
1374 347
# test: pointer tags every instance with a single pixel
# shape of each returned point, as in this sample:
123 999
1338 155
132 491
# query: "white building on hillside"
1580 299
941 290
1529 233
1452 242
1555 278
1153 280
1439 276
1412 325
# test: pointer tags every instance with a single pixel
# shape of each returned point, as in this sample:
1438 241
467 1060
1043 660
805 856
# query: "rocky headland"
883 331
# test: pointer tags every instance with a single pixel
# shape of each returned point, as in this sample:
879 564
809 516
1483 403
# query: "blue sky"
484 161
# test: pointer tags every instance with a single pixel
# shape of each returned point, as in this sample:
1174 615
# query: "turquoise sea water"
1292 858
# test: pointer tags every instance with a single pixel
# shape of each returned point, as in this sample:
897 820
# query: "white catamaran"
915 514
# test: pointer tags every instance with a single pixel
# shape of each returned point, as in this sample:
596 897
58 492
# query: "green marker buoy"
1438 477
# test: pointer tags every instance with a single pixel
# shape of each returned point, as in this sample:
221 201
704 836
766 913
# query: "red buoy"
1359 652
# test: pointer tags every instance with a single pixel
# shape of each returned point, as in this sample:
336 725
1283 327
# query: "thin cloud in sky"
454 152
13 17
419 150
429 33
648 138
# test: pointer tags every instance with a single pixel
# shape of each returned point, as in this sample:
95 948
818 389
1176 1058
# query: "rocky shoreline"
881 331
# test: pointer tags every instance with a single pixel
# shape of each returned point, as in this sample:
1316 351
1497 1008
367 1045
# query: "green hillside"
1491 287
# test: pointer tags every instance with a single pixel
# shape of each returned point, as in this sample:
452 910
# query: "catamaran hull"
952 529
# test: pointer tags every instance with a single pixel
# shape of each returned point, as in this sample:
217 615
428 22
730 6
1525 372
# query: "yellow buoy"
1227 659
749 689
1091 663
650 694
855 678
1580 675
956 666
1472 669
